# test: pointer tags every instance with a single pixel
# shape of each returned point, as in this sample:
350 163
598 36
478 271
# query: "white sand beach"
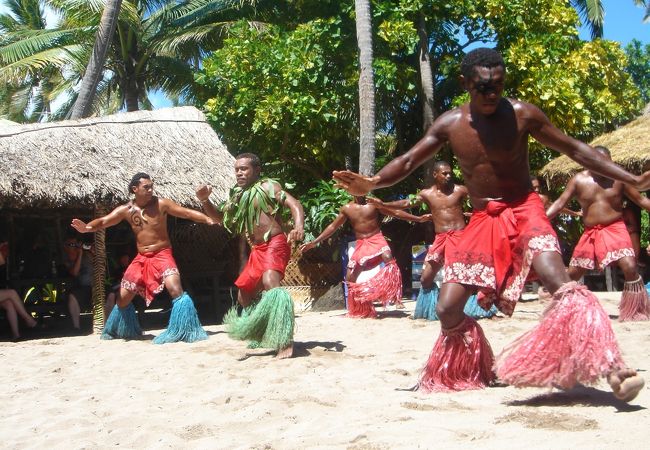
338 392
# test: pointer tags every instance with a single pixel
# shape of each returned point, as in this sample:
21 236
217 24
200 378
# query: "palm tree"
592 14
366 88
157 46
26 98
103 40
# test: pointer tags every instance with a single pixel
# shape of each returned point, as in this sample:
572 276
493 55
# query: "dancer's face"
144 190
245 172
442 176
485 88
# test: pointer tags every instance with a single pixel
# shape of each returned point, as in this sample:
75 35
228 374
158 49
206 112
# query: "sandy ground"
338 392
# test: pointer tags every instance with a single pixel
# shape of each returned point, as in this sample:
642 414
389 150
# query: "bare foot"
400 306
286 352
625 384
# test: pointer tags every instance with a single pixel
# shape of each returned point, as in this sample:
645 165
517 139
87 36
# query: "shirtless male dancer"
153 268
606 239
371 249
254 209
508 232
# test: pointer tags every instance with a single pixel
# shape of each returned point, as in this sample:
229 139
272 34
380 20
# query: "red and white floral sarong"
601 245
497 248
271 255
147 272
443 243
368 249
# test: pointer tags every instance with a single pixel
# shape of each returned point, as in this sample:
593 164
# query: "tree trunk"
426 81
99 276
95 69
366 89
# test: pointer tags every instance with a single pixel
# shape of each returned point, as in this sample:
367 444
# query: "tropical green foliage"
638 66
321 205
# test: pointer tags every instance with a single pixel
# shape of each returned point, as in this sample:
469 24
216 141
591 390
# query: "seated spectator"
77 258
12 304
116 275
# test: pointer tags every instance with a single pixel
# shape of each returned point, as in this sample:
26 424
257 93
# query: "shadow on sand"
579 395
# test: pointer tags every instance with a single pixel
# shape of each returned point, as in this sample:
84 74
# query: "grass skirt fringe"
267 324
384 287
634 302
425 306
573 343
358 309
461 359
122 323
184 324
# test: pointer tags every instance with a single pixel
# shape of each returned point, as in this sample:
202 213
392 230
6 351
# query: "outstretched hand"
425 218
296 235
203 192
354 183
374 201
80 226
307 246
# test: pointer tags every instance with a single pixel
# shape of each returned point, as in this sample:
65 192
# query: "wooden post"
99 275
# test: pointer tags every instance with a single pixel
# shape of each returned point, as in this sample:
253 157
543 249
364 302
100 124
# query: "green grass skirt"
267 324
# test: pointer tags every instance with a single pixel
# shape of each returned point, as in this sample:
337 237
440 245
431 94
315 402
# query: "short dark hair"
440 164
254 159
480 57
603 149
135 181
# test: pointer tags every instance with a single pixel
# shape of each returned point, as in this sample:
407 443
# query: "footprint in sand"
193 432
417 406
549 421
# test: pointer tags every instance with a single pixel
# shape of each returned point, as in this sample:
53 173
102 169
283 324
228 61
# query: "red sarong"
147 272
601 245
368 249
497 248
271 255
442 244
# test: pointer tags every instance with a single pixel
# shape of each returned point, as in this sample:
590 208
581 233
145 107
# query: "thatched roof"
80 163
629 145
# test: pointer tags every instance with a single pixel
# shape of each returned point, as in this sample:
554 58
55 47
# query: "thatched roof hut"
628 144
90 161
81 168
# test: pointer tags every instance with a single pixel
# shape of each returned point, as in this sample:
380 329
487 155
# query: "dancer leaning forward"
509 232
154 268
371 251
254 209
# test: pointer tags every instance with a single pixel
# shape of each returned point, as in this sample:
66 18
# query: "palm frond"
56 57
26 43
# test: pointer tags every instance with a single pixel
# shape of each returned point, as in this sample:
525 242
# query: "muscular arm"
297 213
397 204
636 197
203 194
328 231
559 204
403 214
110 219
177 210
547 134
402 166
